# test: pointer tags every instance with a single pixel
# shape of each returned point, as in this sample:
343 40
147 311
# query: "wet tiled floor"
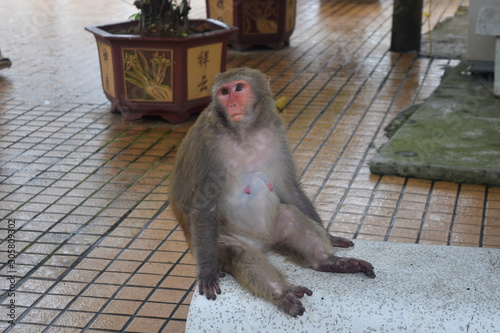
87 194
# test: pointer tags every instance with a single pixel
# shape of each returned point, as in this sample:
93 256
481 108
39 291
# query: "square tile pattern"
84 195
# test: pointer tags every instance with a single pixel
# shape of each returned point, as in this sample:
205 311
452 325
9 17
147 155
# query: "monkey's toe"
292 306
357 265
365 267
347 265
340 242
300 291
290 303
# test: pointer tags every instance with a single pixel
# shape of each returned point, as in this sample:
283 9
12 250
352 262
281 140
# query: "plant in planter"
162 63
260 22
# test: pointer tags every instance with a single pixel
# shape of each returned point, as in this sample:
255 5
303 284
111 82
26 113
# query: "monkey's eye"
239 87
224 91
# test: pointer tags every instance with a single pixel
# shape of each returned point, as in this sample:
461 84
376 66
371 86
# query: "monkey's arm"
205 239
210 178
294 195
196 187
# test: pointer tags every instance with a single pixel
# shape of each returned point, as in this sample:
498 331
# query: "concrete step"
453 136
418 288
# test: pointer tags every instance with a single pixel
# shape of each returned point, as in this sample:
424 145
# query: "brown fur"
236 196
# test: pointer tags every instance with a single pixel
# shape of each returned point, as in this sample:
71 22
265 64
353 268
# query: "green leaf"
135 17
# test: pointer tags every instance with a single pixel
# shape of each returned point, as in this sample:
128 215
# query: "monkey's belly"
250 208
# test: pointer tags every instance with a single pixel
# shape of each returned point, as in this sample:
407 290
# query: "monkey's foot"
290 303
346 265
340 242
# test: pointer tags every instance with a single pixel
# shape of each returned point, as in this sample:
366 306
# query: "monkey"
237 196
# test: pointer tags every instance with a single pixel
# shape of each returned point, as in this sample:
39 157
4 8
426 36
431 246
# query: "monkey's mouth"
237 116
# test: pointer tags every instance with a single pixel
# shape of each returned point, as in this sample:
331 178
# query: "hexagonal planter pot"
260 22
168 77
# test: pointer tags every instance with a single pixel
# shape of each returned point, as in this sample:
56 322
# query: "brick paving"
87 194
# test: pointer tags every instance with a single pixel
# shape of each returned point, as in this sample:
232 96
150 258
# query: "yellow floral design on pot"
260 17
148 74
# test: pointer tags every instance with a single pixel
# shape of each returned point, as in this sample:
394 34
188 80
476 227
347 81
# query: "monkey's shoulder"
200 138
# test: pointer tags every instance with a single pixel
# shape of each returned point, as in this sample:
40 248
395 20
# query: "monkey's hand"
290 303
210 286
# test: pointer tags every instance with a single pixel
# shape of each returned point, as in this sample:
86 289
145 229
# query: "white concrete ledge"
418 288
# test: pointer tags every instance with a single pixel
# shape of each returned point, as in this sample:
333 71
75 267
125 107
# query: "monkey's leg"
252 269
312 243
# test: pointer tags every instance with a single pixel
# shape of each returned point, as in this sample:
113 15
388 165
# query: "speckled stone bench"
488 23
418 288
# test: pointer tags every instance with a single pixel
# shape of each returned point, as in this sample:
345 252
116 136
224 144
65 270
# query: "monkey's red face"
235 96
